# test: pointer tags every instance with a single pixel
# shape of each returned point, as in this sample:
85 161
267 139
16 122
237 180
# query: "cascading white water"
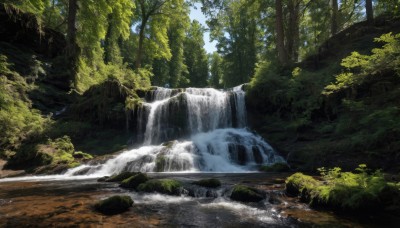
202 120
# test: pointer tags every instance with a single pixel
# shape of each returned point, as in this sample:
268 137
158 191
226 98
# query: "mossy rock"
160 163
103 179
208 183
165 186
120 177
246 194
134 181
81 155
277 167
114 205
300 183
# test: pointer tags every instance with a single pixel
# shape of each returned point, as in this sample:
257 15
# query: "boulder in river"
134 181
114 205
120 177
208 183
247 194
165 186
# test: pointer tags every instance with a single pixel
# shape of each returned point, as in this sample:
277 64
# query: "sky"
196 14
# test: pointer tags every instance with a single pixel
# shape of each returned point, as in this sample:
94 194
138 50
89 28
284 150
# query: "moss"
165 186
120 177
74 164
246 194
300 183
134 181
209 183
160 163
82 155
114 205
277 167
356 191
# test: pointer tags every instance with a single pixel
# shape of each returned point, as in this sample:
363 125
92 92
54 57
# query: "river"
55 202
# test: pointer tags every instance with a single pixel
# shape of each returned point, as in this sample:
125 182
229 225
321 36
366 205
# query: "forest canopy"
158 39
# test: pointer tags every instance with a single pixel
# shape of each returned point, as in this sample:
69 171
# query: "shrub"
359 191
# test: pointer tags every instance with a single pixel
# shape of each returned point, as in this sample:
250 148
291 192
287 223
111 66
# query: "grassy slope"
314 130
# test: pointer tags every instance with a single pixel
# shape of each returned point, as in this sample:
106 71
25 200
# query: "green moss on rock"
120 177
114 205
134 181
165 186
300 183
246 194
208 183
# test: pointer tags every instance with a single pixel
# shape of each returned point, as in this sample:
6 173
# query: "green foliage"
291 95
195 56
165 186
361 190
82 155
360 68
18 121
209 183
114 205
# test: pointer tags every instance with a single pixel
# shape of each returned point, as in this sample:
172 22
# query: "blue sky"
196 14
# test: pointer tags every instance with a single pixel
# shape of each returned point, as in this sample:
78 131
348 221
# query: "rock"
114 205
247 194
120 177
134 181
165 186
257 155
103 179
208 183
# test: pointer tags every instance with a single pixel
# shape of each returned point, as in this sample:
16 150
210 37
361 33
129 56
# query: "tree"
195 56
334 25
235 25
369 11
280 36
72 46
293 33
215 70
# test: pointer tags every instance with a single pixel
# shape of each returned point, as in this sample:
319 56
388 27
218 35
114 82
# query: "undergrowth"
359 191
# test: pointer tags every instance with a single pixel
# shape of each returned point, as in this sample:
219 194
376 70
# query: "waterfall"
193 129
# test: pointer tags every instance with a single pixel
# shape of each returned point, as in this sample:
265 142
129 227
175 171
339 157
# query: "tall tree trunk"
293 33
72 46
139 52
280 36
369 10
334 22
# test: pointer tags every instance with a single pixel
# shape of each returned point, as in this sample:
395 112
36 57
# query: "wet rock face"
114 205
247 194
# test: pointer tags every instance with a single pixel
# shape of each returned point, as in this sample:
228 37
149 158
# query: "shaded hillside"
329 112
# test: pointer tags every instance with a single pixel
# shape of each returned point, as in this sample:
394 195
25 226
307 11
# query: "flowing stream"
187 135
